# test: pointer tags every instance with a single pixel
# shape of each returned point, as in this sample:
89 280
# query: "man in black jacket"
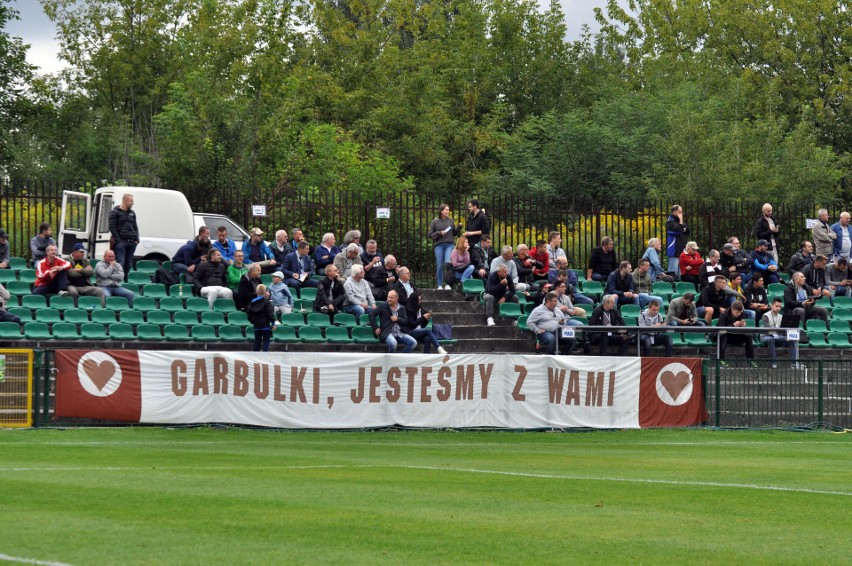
389 322
800 300
481 257
713 300
382 277
124 232
734 260
815 275
211 278
606 314
498 289
247 288
603 261
330 293
757 299
477 224
734 317
803 257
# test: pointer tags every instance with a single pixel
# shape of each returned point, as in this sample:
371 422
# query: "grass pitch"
231 496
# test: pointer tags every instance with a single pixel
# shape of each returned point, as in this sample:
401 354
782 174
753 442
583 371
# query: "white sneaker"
439 288
441 350
62 293
490 321
447 288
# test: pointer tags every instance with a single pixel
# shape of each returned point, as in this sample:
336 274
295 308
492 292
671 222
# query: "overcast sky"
36 29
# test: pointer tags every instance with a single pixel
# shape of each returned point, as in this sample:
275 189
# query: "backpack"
166 277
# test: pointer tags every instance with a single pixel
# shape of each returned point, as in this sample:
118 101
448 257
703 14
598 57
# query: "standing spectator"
359 296
124 232
212 278
226 246
477 223
325 252
247 288
603 261
546 322
690 263
280 248
389 322
498 289
766 228
109 275
803 257
554 240
460 260
709 269
800 300
620 284
51 274
652 254
481 256
261 314
297 268
772 319
236 270
843 237
734 317
280 294
763 263
652 317
330 293
5 315
838 276
256 251
442 231
676 233
606 314
79 274
541 256
4 249
756 297
682 312
344 261
39 243
823 235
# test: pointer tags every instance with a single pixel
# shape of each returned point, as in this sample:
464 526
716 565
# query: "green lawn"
231 496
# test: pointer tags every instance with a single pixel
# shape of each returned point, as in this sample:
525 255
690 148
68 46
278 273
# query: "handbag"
442 331
449 274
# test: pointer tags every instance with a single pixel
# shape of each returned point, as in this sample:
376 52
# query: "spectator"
359 296
79 274
690 264
279 294
713 300
603 261
298 267
564 304
620 284
203 242
481 256
682 312
39 243
256 251
573 283
524 265
772 319
212 278
247 288
280 248
737 293
236 270
460 260
507 258
389 322
346 259
109 275
766 228
803 257
652 254
125 233
800 300
606 314
839 277
546 322
733 259
261 315
227 248
51 274
823 234
330 293
541 268
815 276
325 252
371 257
442 231
418 317
4 249
477 223
351 237
735 318
843 237
642 282
554 252
676 233
186 260
5 315
763 263
499 288
756 298
709 269
652 317
383 277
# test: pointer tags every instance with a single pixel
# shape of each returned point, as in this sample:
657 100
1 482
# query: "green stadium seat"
838 340
10 331
154 290
133 288
19 288
318 320
303 305
630 321
197 304
134 318
238 318
815 325
34 301
161 318
93 331
473 286
76 316
27 275
843 302
104 316
337 334
293 319
88 303
37 331
697 339
285 334
65 331
17 263
529 307
522 322
510 310
364 335
139 278
345 319
311 334
232 334
147 266
117 304
144 304
308 294
581 275
186 318
630 310
176 333
61 302
167 264
837 325
816 340
121 331
25 314
148 332
662 289
224 305
7 276
215 319
266 279
775 290
682 287
50 316
204 333
171 304
841 314
592 289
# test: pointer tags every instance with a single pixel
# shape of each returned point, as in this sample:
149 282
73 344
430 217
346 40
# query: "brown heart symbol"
674 384
99 373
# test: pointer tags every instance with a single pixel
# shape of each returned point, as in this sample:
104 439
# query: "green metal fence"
753 394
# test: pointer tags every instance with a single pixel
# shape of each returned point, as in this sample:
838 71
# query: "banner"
336 390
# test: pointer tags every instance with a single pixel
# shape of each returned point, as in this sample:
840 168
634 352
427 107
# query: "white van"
165 221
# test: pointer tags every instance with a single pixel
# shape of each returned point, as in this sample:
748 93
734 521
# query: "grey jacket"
823 237
109 275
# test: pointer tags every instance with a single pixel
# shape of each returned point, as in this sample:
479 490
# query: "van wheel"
159 258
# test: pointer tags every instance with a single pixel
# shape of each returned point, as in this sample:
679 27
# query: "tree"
15 73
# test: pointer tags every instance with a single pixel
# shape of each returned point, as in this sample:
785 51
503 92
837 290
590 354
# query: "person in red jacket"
540 255
690 263
51 274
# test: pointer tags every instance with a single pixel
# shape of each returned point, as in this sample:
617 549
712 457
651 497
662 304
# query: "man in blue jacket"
843 243
255 250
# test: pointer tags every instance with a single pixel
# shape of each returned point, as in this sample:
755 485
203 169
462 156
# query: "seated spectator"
211 278
573 283
359 296
652 254
603 261
256 251
279 294
39 243
346 259
564 304
460 259
803 257
772 319
756 298
733 259
642 282
383 277
79 274
352 237
682 312
203 242
51 274
814 274
298 267
541 258
186 260
652 317
737 293
5 315
389 321
734 317
481 256
800 300
690 263
546 322
709 269
713 300
4 249
418 317
247 288
236 270
325 252
763 263
261 315
620 284
227 248
498 289
524 265
554 251
109 275
606 314
330 293
839 277
280 248
506 258
371 257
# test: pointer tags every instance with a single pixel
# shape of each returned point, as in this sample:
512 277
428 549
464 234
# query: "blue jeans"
120 292
442 257
466 274
405 339
645 298
772 341
581 299
357 310
423 334
261 339
674 265
698 322
124 250
548 340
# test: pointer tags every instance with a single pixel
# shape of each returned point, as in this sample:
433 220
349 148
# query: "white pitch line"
19 560
445 469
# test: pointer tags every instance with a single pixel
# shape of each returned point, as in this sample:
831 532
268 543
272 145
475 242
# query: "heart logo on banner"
675 383
99 372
